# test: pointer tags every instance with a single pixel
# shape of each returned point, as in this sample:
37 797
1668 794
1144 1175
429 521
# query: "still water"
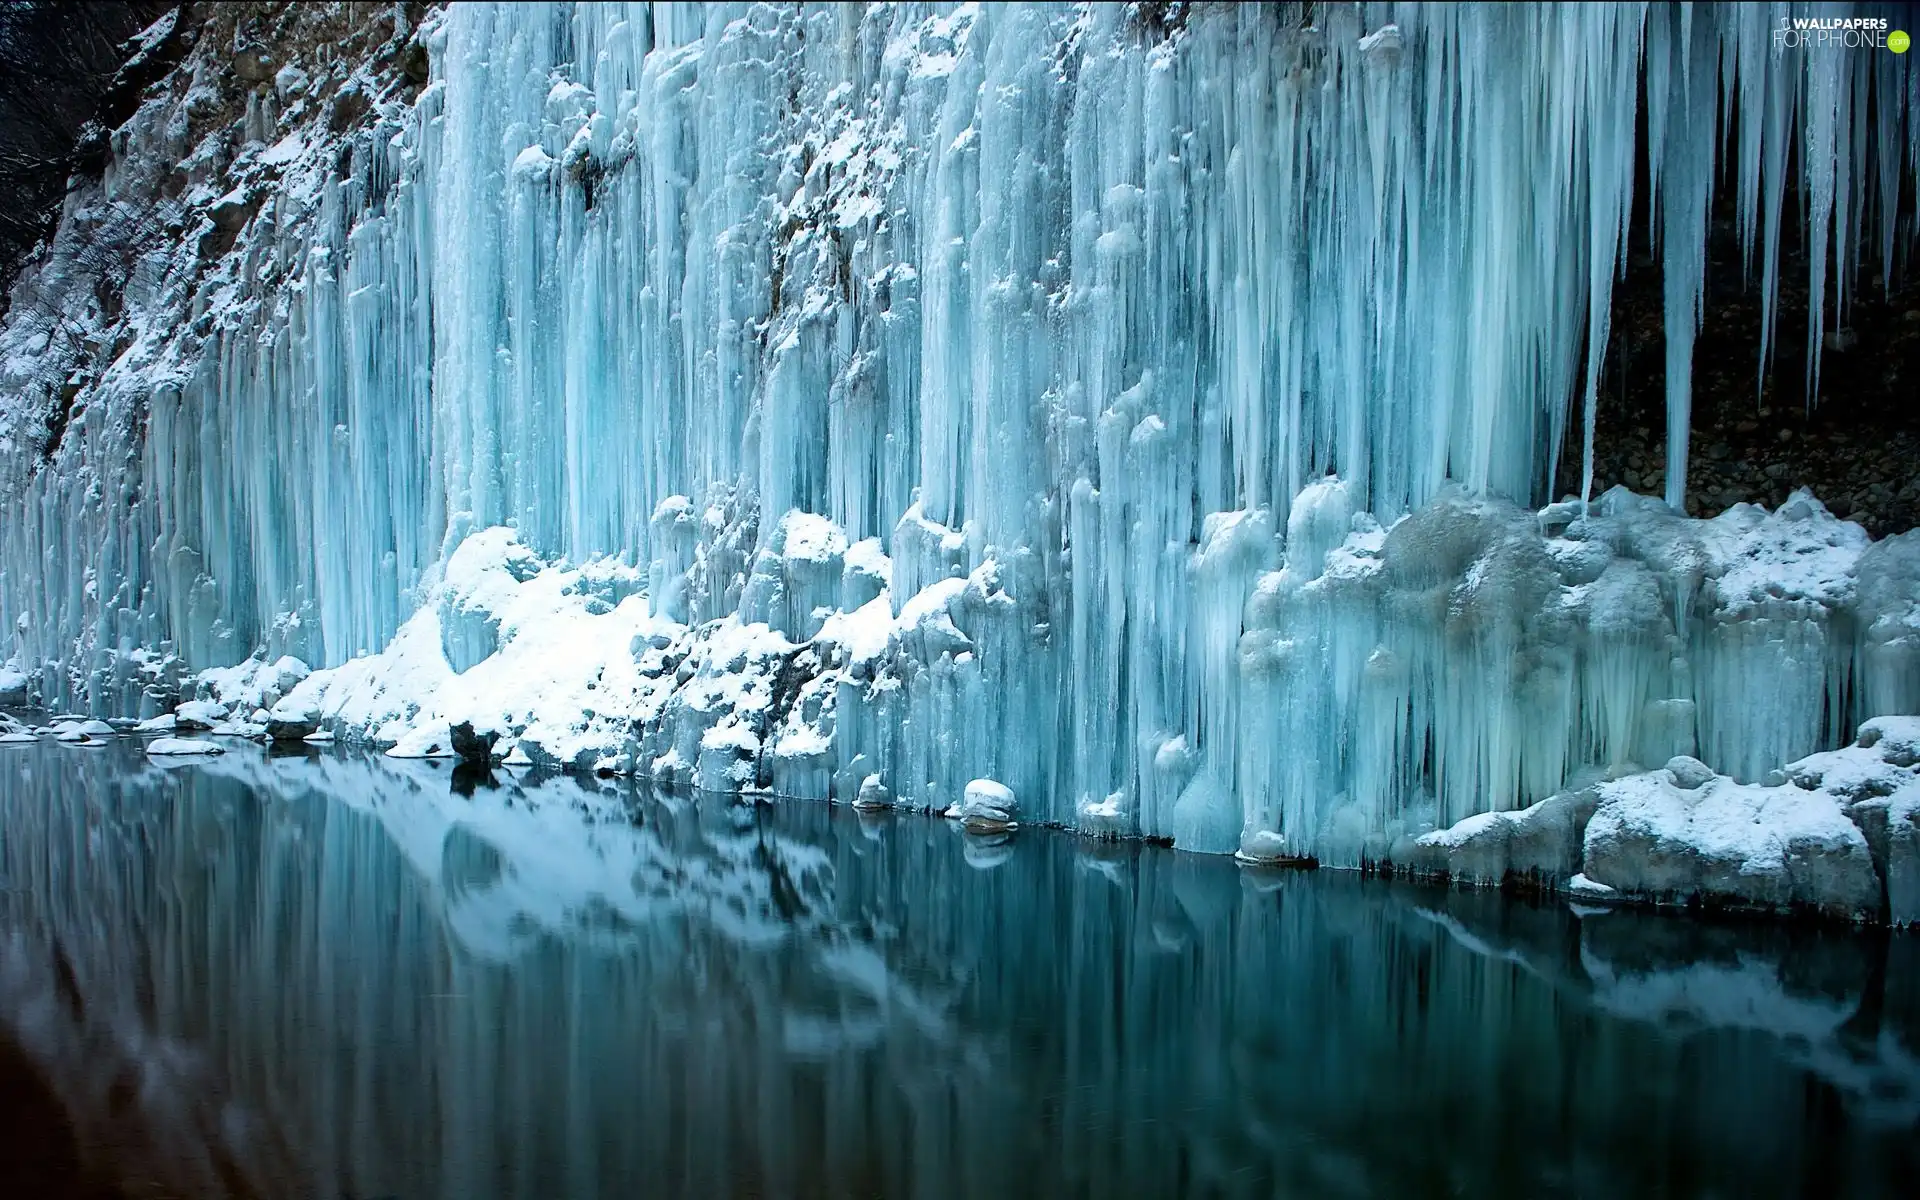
341 976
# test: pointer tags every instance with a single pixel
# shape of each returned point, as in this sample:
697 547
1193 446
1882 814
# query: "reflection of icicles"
372 884
420 994
150 1095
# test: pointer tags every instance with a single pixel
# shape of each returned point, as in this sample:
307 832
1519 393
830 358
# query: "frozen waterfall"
1148 413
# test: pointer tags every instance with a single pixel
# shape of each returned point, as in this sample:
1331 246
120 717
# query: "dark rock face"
68 75
254 64
1854 439
470 745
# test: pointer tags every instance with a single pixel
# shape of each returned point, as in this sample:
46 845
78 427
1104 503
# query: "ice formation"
858 402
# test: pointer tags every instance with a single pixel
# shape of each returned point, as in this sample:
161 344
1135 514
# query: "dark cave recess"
1855 441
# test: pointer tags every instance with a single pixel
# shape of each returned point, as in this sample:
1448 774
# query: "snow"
252 684
77 730
532 163
1582 888
203 713
289 149
865 633
178 747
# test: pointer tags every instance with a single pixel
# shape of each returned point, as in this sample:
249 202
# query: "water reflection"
342 976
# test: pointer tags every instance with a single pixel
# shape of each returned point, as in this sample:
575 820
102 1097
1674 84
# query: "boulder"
1688 773
295 726
986 806
1729 843
1891 825
199 715
1895 739
1876 782
1265 848
873 795
1540 842
470 744
253 65
231 212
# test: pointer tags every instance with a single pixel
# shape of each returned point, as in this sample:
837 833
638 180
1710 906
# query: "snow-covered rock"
81 730
1877 782
1592 891
196 715
1260 847
987 805
170 747
1728 842
873 795
253 684
290 725
1688 773
1540 842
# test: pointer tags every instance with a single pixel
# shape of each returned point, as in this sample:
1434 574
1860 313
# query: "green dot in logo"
1898 41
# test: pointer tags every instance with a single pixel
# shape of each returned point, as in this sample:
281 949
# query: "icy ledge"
1836 833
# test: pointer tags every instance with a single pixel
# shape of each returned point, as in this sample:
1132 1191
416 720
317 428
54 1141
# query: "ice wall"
1112 328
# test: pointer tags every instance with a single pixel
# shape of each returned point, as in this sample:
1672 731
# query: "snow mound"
180 747
253 684
200 714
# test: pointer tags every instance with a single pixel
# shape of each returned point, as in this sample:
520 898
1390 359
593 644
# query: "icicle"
1682 63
